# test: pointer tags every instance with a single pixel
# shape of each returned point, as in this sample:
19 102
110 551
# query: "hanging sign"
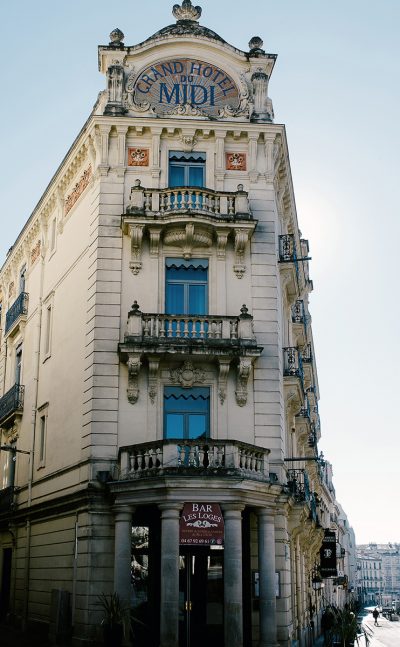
328 566
201 524
185 86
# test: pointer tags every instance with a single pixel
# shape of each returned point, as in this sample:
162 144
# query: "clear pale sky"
336 87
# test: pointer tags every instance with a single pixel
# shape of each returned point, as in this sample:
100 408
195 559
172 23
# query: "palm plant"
345 629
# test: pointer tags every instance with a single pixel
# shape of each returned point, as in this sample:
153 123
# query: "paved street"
387 634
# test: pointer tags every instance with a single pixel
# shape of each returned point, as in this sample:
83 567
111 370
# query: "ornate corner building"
159 393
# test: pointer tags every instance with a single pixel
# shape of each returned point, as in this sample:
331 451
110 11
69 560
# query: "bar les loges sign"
328 564
201 524
180 82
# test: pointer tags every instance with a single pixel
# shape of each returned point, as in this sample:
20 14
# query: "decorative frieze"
77 191
138 156
236 161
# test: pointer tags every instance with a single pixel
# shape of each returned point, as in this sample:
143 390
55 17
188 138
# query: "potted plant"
115 614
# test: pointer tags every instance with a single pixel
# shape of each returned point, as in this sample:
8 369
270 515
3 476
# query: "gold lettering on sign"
138 156
236 162
78 189
35 252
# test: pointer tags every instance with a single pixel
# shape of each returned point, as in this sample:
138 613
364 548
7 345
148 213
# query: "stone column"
233 587
266 567
122 551
169 611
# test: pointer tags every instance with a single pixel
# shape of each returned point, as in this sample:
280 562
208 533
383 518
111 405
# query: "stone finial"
186 11
255 45
116 37
256 42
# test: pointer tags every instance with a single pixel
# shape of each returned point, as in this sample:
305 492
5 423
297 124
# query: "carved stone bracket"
134 365
153 377
243 374
222 239
224 365
187 375
241 239
154 234
136 234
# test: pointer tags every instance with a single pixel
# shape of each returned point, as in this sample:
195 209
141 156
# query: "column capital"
170 509
123 512
233 507
266 513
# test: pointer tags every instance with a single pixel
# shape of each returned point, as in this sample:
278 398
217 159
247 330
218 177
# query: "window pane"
174 300
197 426
176 175
174 424
196 175
197 300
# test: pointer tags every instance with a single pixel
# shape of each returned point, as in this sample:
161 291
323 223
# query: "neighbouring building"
378 574
159 392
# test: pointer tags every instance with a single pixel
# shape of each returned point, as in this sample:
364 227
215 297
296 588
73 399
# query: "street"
386 634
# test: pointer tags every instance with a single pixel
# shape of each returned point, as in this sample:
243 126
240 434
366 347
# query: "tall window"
47 340
186 413
42 439
186 286
18 364
186 169
22 279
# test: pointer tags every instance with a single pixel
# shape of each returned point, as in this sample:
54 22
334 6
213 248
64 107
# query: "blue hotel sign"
177 82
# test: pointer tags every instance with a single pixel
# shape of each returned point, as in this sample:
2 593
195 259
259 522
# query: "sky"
336 87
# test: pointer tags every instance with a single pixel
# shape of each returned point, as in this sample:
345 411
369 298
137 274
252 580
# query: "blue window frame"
186 413
186 169
186 286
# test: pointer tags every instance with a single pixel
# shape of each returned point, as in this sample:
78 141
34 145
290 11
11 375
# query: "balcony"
299 322
225 204
154 337
299 488
11 405
16 315
190 218
288 264
293 377
194 458
308 365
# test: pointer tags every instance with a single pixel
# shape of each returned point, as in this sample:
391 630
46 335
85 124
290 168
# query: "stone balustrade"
184 199
216 457
146 326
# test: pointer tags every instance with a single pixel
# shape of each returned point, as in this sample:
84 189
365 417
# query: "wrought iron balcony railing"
306 354
292 362
191 198
298 312
287 249
194 457
298 484
18 308
12 402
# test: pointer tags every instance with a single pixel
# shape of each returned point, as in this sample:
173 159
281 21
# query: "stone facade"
155 321
378 574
